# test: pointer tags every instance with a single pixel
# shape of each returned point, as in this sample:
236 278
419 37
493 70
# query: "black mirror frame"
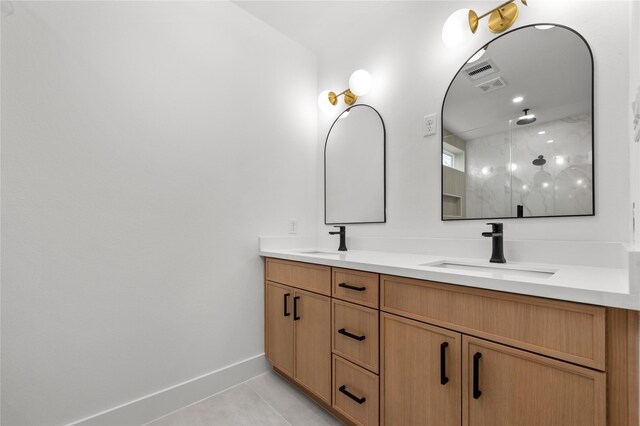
593 135
384 160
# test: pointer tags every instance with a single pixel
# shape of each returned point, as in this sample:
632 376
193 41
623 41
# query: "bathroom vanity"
375 347
404 339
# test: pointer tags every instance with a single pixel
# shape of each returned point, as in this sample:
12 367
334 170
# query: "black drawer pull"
344 390
353 336
476 374
443 364
286 304
295 308
350 287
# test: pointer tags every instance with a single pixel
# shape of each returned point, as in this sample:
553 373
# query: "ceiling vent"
481 69
491 85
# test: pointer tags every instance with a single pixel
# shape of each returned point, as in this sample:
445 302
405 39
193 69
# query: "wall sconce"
359 85
463 23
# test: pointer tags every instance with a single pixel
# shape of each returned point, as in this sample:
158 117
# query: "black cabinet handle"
350 287
443 364
476 374
353 336
286 304
295 308
344 390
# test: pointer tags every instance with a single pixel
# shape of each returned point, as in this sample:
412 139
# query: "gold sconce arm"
502 17
349 97
359 82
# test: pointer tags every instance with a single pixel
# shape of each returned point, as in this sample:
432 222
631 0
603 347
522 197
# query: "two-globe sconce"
359 85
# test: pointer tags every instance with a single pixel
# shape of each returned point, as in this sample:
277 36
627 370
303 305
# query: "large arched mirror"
354 168
517 128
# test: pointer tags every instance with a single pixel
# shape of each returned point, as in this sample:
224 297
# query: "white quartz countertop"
584 284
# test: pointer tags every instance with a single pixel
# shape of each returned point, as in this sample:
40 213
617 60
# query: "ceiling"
322 25
550 68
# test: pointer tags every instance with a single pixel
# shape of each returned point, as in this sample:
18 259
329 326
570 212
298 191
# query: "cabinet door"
503 386
420 373
279 326
312 328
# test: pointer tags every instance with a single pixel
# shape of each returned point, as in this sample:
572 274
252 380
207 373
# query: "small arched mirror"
517 128
354 168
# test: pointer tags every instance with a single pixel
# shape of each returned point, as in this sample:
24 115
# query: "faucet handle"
342 231
495 226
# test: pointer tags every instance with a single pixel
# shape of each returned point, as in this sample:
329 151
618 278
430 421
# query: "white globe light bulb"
360 82
323 101
479 54
456 29
345 114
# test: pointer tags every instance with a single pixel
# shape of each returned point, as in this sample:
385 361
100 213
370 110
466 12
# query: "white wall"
145 146
634 86
412 68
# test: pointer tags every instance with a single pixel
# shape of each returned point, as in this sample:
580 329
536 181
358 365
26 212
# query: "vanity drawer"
355 333
569 331
306 276
355 286
355 392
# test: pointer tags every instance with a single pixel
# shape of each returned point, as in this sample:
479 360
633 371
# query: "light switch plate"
293 226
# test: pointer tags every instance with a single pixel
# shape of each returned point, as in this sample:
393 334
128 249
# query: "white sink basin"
496 271
321 253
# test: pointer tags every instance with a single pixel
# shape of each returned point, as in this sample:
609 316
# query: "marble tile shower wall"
500 174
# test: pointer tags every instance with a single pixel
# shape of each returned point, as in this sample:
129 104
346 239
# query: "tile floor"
267 399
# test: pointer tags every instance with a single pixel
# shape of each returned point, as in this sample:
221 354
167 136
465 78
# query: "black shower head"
540 161
526 118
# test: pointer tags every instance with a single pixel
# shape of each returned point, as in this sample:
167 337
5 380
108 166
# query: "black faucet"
343 237
497 253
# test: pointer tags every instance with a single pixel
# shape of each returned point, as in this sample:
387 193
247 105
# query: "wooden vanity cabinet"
413 352
432 376
525 360
298 325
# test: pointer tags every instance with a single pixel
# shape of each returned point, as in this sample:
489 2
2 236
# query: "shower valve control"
430 125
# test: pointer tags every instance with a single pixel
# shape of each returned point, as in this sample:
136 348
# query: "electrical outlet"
633 221
293 226
430 125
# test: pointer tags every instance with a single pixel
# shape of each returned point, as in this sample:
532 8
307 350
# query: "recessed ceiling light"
518 99
544 27
542 132
550 141
559 160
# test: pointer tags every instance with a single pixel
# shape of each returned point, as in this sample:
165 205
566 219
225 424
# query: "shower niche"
517 128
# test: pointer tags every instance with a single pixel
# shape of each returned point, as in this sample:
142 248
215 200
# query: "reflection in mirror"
354 168
517 125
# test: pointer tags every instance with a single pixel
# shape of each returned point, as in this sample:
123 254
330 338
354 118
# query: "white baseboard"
158 404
